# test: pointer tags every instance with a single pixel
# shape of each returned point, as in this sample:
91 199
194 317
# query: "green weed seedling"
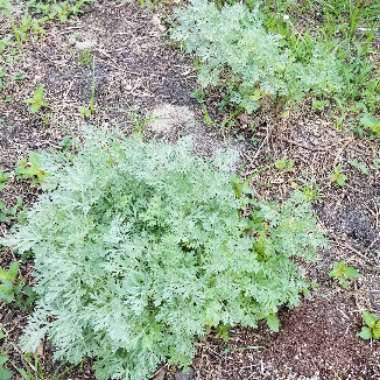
376 163
207 118
37 101
14 290
319 105
19 77
8 282
24 296
199 95
339 122
27 26
273 322
8 214
4 212
360 166
371 328
4 178
240 187
223 331
61 10
310 192
85 57
45 119
284 164
337 177
87 111
371 125
344 274
3 44
5 373
36 14
140 122
2 79
31 169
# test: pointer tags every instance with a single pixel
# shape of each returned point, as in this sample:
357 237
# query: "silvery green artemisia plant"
141 247
235 51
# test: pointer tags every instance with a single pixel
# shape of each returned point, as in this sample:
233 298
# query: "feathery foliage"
237 52
140 248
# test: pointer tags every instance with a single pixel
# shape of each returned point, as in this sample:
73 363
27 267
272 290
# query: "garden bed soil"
136 73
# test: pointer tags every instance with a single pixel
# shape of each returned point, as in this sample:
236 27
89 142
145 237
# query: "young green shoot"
5 373
337 177
8 282
371 326
4 178
31 169
284 164
344 274
37 101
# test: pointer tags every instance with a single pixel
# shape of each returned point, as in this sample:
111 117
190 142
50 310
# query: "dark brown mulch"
317 341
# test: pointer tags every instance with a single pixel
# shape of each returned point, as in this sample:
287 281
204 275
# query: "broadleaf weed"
31 169
371 328
344 273
37 101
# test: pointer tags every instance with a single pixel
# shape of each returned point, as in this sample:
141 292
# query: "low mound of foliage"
236 51
141 248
